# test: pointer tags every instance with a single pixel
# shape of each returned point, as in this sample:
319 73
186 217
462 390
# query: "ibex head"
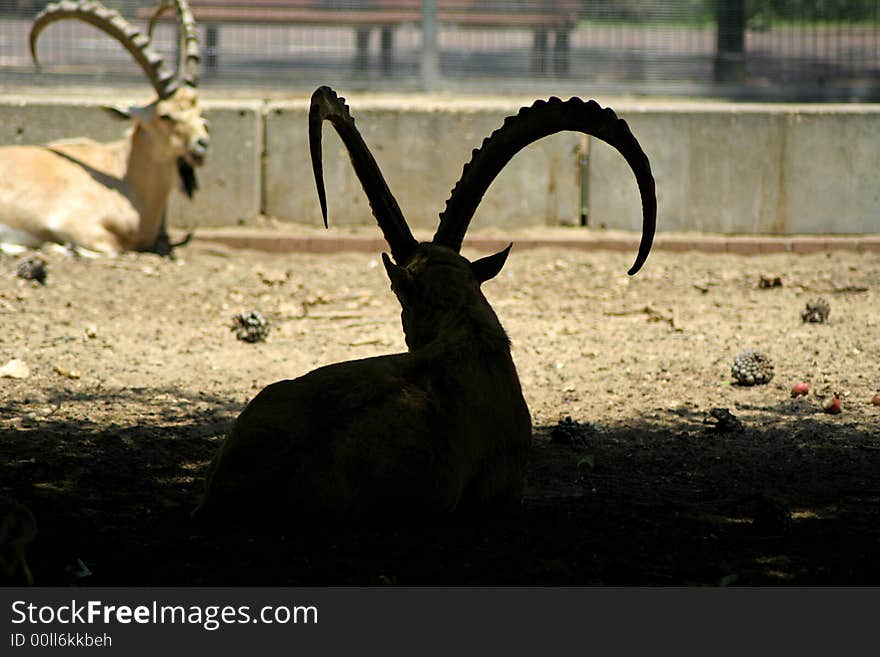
174 119
437 287
430 279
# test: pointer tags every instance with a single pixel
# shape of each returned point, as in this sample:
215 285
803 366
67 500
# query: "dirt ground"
135 376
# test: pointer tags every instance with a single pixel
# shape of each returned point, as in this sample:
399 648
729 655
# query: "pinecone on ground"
32 269
817 311
752 368
250 326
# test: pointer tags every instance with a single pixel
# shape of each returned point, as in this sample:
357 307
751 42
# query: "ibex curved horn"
327 105
542 119
189 52
109 21
163 7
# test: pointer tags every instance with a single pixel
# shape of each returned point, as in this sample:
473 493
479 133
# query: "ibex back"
441 428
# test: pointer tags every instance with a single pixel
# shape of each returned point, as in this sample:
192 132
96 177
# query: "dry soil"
135 376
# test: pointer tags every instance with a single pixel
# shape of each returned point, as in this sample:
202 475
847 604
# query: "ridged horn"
326 105
189 53
112 23
542 119
163 7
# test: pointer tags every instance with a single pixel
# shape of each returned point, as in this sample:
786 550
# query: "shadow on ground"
646 504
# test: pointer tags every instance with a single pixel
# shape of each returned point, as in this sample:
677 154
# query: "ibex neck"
475 331
150 175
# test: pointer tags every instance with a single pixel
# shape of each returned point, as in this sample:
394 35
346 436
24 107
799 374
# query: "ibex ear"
401 280
117 111
142 113
488 267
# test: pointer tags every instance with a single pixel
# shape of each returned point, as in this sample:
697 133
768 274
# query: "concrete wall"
421 151
230 181
747 169
719 167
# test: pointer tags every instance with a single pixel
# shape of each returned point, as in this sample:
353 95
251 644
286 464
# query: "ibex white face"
179 121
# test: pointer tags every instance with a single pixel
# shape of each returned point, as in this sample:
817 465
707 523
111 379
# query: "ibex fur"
110 197
441 428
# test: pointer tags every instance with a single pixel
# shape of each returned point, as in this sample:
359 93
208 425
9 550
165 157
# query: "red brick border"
281 242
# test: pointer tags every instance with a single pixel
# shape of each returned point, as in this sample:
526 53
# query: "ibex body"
441 428
109 197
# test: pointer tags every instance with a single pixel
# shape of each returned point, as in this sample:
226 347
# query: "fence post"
730 55
430 61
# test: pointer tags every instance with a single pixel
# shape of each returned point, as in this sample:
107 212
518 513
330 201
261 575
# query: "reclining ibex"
110 197
17 530
443 427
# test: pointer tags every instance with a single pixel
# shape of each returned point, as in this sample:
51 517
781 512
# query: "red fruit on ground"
800 388
831 405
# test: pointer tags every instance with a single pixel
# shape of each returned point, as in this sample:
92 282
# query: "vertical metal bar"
362 49
212 39
539 50
730 18
584 171
387 50
430 60
560 52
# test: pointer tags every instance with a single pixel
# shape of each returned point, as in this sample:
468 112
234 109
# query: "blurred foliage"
659 11
759 11
813 10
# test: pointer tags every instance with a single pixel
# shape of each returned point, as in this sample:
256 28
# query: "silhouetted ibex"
440 428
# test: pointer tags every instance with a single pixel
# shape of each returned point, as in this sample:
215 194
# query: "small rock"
70 373
721 420
816 311
273 278
15 369
29 420
766 281
569 432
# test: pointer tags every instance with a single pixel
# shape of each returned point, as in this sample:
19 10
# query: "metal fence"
776 49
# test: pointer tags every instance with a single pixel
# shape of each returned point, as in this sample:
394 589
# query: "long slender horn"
163 7
545 118
189 53
327 105
109 21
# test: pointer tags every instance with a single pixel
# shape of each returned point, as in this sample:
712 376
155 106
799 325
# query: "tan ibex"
443 427
17 530
110 197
